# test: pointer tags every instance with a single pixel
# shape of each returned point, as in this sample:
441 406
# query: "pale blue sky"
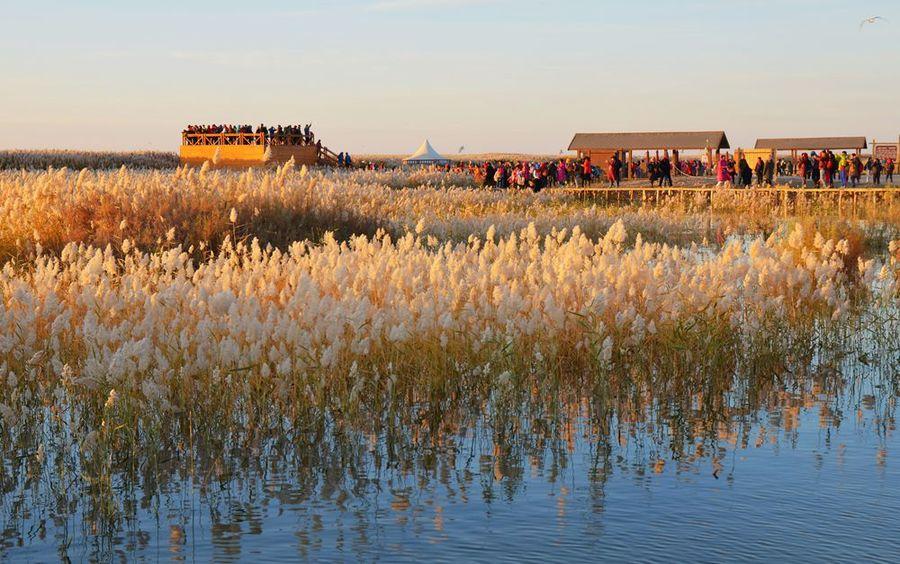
492 75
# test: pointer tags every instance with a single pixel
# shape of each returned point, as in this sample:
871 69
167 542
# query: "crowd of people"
824 168
581 172
817 170
739 173
536 176
272 135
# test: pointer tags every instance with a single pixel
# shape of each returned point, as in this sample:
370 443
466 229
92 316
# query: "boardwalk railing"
786 198
242 139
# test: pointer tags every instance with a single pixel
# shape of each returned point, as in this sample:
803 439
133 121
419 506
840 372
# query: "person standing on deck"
586 170
876 172
803 169
855 170
823 159
814 169
522 178
561 177
770 171
612 171
760 169
723 174
489 171
500 176
745 173
889 171
665 172
844 168
830 166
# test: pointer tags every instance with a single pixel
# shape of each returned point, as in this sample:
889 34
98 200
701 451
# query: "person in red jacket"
587 170
612 171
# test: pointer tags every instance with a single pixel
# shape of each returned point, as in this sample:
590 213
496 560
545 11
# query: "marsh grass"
191 207
42 160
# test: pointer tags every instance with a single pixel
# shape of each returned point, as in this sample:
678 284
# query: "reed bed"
196 206
42 160
252 328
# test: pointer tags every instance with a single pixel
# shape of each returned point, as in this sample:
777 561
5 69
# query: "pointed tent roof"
425 154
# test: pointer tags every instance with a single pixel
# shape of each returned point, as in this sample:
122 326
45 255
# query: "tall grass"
41 160
193 207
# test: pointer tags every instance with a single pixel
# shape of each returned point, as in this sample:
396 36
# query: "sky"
379 76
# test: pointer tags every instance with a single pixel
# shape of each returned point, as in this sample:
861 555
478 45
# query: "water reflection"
431 470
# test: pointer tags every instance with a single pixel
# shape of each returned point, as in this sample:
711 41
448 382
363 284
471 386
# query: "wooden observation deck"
249 149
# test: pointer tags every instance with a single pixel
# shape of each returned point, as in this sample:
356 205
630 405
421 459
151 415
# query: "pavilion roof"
650 140
812 143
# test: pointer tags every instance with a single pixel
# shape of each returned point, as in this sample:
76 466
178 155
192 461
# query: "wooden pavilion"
796 144
601 146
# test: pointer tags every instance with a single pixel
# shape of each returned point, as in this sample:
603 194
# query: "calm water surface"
800 469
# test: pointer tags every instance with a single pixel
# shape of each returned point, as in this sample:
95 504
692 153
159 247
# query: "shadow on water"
638 465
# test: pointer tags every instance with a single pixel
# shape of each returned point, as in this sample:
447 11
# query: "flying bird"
872 20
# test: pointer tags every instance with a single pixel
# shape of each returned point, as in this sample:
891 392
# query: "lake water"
800 469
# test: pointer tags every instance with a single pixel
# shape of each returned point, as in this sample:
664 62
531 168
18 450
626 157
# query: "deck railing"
261 139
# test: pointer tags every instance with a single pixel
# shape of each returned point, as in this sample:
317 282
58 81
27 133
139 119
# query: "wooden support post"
630 164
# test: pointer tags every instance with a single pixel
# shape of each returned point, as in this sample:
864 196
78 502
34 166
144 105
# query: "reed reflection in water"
646 467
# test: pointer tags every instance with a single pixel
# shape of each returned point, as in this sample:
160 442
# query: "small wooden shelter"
797 144
601 146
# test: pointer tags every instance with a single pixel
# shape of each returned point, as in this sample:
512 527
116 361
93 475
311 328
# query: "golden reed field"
133 284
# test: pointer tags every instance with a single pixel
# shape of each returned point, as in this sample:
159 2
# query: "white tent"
426 155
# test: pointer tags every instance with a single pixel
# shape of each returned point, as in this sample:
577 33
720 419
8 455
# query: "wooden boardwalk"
787 198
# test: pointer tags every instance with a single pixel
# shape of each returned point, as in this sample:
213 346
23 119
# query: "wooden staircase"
327 157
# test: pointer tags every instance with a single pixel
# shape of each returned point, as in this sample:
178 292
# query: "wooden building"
795 145
601 146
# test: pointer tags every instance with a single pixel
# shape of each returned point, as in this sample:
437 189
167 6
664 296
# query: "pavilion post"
630 163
